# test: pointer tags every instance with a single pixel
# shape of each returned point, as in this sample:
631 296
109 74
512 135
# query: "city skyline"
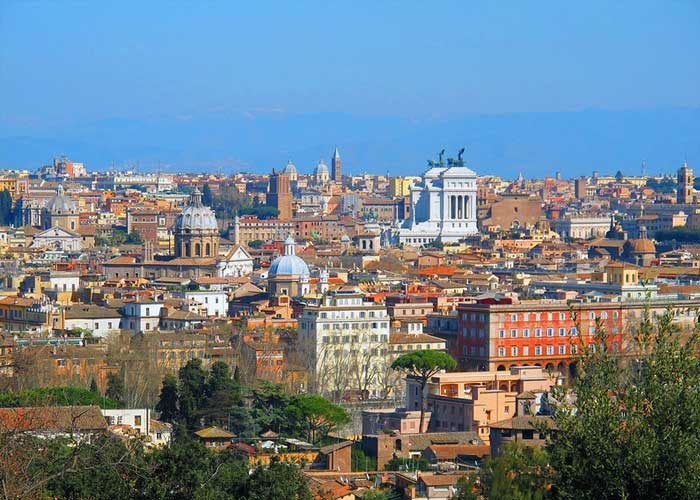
248 86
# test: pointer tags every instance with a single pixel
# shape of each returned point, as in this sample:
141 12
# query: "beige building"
471 401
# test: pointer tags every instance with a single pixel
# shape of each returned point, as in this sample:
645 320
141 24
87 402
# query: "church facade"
443 206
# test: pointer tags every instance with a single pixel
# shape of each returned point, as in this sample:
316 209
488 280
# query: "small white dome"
290 168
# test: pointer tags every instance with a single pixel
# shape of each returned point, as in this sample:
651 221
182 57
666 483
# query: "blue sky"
68 63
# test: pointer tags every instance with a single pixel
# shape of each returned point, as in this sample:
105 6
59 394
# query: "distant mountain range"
536 144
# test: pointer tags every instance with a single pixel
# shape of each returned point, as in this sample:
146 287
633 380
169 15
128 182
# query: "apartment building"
345 341
471 401
500 334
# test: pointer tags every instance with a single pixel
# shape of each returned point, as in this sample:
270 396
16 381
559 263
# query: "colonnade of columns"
459 206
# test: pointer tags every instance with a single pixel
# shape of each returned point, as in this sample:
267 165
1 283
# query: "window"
526 316
562 316
574 349
526 351
562 332
562 349
526 332
615 314
514 333
550 350
550 332
513 351
137 420
514 317
538 332
61 362
501 351
604 315
501 334
538 350
574 331
148 311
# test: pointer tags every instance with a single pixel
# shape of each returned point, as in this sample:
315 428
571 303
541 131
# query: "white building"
443 207
207 302
141 316
139 419
583 228
101 321
237 262
344 341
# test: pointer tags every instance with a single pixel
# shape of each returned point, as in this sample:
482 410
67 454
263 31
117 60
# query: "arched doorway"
501 368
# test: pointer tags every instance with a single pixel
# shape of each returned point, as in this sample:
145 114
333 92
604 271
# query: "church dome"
640 246
321 169
60 203
196 216
290 168
288 264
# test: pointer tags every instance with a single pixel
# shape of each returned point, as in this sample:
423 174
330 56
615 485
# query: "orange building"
497 335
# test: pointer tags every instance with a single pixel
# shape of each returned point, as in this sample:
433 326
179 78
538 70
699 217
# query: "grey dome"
321 168
61 203
288 264
290 168
196 216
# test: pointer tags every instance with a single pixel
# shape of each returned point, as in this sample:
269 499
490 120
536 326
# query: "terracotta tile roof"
452 451
53 418
440 479
214 432
413 338
437 271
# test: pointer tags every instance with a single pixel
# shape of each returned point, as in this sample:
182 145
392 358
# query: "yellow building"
620 273
16 186
400 186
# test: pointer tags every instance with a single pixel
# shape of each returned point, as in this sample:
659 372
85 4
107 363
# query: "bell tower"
336 174
684 193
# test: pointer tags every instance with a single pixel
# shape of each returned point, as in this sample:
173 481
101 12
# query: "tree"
319 416
422 365
192 391
632 431
56 396
5 207
271 409
207 198
133 238
277 481
115 387
167 403
93 386
221 395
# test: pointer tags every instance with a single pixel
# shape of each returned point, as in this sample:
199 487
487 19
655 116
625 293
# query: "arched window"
207 249
187 250
197 250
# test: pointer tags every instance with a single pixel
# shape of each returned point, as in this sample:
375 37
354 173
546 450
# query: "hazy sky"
62 62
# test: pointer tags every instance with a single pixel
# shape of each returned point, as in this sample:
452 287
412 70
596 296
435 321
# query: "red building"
144 221
498 335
